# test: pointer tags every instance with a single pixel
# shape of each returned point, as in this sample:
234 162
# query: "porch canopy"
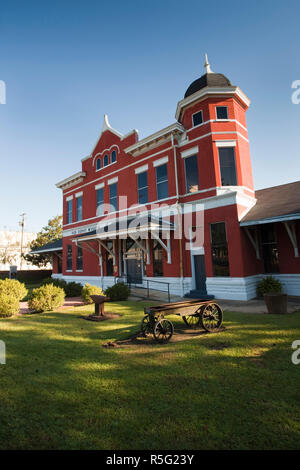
53 247
279 204
139 228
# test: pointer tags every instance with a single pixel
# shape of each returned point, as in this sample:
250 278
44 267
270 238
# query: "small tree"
48 234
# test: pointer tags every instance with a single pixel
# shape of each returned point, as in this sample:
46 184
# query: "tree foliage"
48 234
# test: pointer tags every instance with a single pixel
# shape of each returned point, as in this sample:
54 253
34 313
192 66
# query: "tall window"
162 181
113 157
69 211
269 248
109 260
98 163
219 249
113 195
79 208
142 187
106 160
227 166
100 201
191 174
197 118
69 258
222 112
157 259
79 263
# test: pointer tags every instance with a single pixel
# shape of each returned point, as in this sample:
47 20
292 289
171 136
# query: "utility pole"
22 223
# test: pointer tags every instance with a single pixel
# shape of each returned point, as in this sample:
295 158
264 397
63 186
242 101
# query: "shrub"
119 291
268 285
14 288
47 297
72 289
9 304
89 290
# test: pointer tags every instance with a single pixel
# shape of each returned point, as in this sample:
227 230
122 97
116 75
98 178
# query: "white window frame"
222 119
197 112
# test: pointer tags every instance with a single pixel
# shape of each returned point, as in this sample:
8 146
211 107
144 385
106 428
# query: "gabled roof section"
275 204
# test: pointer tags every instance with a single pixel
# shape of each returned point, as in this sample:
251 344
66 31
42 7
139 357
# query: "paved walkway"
249 306
69 302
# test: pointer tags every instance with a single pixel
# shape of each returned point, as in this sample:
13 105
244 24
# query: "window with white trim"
98 164
227 166
142 187
79 259
69 211
162 186
113 196
79 208
197 118
113 157
191 174
222 112
69 257
105 160
100 201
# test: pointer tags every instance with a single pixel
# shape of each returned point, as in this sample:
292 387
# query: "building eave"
71 180
157 136
270 220
210 91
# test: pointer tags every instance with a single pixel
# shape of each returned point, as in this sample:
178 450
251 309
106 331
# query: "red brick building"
199 167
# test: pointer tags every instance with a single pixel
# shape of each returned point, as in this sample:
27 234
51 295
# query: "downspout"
179 219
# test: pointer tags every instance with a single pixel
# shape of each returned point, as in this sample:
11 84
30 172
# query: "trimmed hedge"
268 285
9 304
89 290
14 288
119 291
46 298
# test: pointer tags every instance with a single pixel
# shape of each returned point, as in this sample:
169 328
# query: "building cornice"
211 91
155 139
71 180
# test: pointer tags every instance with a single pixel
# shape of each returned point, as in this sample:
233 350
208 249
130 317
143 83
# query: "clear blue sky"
66 63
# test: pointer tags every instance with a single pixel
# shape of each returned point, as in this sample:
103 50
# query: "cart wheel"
211 317
163 331
146 328
192 321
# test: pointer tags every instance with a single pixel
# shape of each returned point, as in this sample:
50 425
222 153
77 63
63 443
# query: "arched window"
105 160
98 163
113 156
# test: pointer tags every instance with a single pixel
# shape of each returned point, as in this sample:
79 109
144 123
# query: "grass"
234 390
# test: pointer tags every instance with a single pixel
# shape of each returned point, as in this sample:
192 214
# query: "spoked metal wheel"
193 321
146 328
211 317
163 331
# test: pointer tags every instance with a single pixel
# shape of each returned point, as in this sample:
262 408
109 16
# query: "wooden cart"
195 313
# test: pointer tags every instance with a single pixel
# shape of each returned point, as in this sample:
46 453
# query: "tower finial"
207 65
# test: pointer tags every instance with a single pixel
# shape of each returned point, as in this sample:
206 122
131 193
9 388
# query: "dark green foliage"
72 289
119 291
268 285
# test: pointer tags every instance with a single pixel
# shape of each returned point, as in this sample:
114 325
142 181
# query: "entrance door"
134 270
200 275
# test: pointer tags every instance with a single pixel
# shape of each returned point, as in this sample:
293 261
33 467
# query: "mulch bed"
97 318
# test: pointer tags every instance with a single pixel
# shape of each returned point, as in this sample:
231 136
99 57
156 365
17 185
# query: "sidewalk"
244 306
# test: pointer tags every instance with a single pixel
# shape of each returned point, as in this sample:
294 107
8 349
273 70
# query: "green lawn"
234 390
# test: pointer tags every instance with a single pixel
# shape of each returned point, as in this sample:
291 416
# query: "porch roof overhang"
270 220
131 227
48 248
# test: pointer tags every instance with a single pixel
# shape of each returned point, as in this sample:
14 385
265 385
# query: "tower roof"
209 79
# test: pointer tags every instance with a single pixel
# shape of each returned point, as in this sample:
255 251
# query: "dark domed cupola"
209 79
